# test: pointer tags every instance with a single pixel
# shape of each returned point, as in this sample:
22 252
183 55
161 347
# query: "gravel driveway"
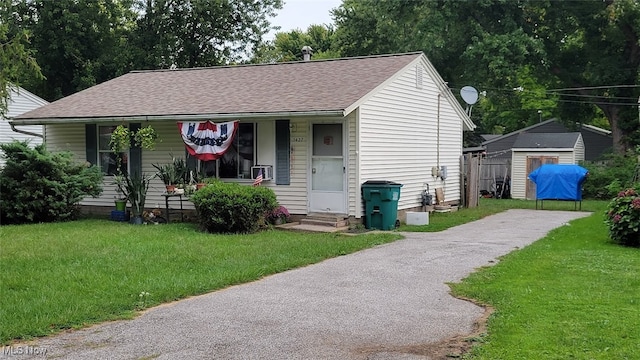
374 304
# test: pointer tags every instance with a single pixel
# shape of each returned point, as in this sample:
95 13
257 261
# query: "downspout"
13 128
438 134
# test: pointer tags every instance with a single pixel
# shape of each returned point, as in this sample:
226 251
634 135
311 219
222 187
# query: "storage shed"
559 182
531 150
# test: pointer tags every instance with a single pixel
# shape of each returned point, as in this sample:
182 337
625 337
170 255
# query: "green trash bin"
381 204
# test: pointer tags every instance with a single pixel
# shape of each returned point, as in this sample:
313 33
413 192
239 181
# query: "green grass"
68 275
571 295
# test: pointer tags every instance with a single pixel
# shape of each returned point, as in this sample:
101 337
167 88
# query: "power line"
596 87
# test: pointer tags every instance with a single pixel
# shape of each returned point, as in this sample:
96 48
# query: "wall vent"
418 77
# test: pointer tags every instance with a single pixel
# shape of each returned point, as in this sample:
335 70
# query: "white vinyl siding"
20 102
294 195
398 137
579 150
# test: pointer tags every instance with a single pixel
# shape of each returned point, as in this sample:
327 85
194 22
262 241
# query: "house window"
107 159
236 163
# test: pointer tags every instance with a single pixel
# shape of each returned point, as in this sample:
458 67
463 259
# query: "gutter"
13 128
196 117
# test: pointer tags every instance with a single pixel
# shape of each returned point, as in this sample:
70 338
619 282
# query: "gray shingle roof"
546 140
323 85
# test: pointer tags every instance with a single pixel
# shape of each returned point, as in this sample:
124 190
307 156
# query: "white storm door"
328 188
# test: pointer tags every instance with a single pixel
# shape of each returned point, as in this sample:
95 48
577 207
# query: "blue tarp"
559 181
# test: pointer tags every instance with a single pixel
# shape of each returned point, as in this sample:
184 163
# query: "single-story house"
320 128
20 101
531 150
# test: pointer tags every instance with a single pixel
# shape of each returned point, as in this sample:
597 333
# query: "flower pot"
200 186
136 220
121 205
171 189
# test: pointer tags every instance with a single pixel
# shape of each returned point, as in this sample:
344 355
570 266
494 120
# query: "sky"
299 14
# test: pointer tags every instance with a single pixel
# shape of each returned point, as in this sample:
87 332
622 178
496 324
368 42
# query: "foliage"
16 57
232 208
122 138
77 43
533 47
610 176
278 213
188 33
623 218
146 137
39 186
166 173
287 46
134 188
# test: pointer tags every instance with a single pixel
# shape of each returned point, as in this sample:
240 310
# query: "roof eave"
188 117
542 149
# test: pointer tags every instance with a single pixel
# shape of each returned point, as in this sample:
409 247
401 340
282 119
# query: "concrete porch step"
321 219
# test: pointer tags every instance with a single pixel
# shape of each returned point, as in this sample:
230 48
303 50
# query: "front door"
328 188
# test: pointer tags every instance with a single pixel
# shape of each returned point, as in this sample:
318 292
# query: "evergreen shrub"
232 208
40 186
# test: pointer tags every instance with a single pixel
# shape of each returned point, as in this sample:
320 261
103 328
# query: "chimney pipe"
307 51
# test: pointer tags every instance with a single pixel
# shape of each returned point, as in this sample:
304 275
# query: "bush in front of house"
40 186
623 218
232 208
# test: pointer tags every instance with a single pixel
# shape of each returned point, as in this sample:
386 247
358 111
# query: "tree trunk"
613 115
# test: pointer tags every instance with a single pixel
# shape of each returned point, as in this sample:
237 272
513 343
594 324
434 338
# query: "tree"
189 33
589 47
78 43
16 59
287 46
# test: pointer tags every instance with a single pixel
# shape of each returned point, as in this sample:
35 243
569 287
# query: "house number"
298 139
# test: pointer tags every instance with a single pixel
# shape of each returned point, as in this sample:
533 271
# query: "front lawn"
67 275
571 295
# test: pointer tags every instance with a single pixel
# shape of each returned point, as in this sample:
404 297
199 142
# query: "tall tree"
589 47
16 59
190 33
76 42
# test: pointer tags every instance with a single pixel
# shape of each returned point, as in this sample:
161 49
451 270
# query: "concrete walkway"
374 304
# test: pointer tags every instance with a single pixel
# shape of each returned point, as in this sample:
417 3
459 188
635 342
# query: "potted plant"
167 173
198 178
278 216
133 187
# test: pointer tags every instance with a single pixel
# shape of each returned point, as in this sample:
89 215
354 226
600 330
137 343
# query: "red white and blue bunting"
206 140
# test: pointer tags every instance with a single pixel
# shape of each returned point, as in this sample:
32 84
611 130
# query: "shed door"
534 162
328 189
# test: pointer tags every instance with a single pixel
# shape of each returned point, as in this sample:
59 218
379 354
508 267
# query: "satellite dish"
469 95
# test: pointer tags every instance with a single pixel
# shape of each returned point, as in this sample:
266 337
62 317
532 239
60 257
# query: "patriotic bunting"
206 140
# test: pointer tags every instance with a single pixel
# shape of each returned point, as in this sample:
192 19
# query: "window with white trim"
107 159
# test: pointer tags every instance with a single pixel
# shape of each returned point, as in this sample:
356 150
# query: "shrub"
623 218
608 178
231 207
39 186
